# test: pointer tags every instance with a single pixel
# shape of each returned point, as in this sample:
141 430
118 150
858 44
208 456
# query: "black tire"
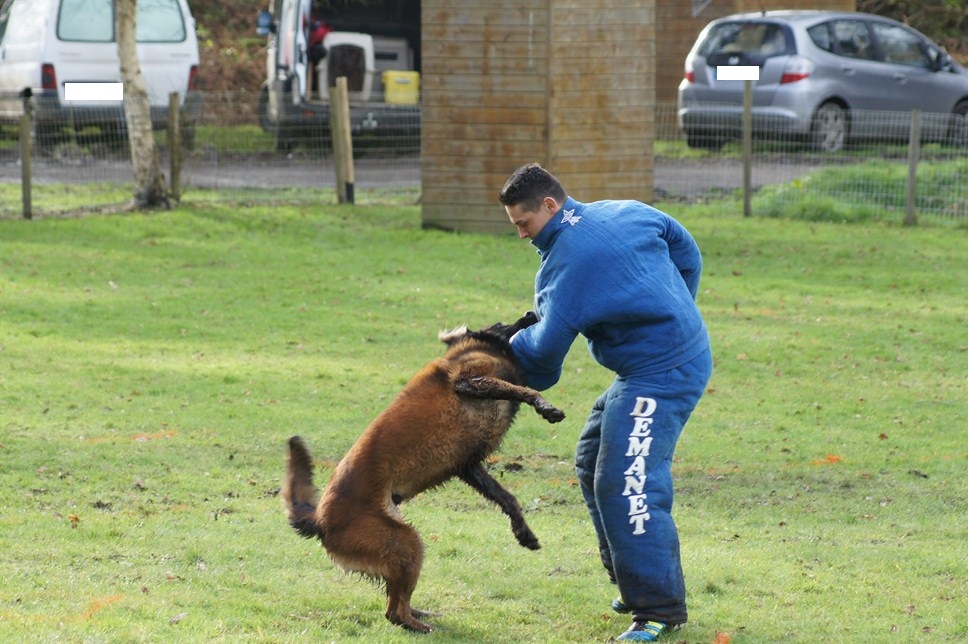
957 135
47 135
265 123
704 140
830 127
188 135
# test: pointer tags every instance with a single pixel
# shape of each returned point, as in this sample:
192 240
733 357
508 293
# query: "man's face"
530 222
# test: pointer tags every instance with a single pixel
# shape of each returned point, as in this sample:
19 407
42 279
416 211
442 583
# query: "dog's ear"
452 336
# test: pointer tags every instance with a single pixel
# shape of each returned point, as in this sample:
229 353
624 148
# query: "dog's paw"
550 413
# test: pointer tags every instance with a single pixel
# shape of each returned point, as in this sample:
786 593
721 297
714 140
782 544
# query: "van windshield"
93 21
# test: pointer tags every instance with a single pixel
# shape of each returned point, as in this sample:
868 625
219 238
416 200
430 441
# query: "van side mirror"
264 24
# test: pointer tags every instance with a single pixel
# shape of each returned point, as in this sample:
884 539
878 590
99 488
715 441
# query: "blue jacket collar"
544 240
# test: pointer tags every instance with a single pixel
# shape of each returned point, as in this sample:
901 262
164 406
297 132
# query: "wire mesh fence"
230 152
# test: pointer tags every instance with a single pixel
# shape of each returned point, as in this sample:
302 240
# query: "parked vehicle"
824 77
46 44
294 100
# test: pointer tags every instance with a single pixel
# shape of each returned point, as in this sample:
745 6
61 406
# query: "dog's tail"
299 495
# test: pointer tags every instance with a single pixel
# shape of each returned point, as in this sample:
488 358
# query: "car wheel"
958 126
828 133
702 140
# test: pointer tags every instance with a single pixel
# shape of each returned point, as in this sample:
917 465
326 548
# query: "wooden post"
25 160
914 155
747 146
339 122
174 146
336 134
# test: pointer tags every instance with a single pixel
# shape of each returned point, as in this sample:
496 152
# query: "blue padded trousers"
624 465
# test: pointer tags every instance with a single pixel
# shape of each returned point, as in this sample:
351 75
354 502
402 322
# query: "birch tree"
150 190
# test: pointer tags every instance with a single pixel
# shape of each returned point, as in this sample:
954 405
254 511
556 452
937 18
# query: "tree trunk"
149 189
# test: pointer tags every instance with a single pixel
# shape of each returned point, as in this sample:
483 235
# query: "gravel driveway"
676 178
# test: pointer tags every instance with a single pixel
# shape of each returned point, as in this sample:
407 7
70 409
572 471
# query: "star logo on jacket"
570 217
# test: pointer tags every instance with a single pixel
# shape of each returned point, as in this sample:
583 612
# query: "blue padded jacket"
625 276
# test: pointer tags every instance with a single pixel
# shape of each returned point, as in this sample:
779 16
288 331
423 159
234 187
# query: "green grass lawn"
153 366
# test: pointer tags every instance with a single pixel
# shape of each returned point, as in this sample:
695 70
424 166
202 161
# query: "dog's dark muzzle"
506 331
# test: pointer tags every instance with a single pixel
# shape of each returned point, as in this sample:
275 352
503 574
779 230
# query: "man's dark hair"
529 185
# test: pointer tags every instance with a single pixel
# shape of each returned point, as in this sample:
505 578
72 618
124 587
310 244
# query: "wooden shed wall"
567 83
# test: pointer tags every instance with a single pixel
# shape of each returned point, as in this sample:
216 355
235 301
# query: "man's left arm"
684 252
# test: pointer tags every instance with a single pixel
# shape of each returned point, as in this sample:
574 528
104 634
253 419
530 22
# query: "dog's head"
502 332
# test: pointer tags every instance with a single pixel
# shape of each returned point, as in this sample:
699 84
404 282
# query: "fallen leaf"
829 459
97 604
177 618
141 438
74 519
721 638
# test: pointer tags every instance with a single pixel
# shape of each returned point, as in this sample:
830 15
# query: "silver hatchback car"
824 78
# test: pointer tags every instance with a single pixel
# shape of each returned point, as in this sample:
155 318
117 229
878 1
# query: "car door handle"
900 78
849 71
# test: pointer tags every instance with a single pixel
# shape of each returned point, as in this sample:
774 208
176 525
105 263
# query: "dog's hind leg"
478 478
488 388
384 548
402 559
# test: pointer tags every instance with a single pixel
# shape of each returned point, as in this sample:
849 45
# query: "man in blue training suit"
625 276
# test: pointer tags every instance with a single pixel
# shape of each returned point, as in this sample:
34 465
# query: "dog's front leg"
487 388
478 478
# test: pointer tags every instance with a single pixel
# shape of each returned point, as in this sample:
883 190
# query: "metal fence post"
914 154
25 130
747 146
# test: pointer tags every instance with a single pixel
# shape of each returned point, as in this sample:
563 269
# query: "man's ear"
551 204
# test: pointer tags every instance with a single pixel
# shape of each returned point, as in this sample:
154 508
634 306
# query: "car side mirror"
937 59
264 24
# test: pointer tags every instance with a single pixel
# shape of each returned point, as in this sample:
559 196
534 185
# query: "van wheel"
188 135
957 135
264 122
828 133
47 135
285 138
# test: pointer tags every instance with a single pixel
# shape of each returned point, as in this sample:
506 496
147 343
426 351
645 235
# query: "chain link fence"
228 155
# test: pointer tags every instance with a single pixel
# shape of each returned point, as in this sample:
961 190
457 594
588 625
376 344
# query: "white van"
294 100
45 44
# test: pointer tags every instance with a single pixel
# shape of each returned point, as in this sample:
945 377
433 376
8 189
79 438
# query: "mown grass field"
153 366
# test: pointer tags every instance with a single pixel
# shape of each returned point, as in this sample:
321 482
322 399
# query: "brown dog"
444 423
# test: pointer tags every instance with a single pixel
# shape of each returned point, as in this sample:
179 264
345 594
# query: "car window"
30 24
93 21
852 39
4 16
820 35
900 46
160 21
758 40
